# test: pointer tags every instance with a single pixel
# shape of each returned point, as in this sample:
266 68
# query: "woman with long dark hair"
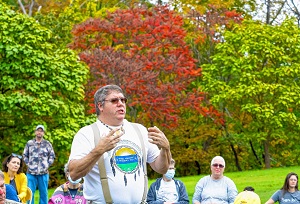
289 193
12 167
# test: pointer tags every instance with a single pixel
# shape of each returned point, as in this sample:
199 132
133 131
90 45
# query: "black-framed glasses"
172 168
16 155
221 166
116 100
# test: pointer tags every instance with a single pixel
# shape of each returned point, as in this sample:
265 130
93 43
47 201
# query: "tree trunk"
268 4
267 153
254 152
236 159
198 167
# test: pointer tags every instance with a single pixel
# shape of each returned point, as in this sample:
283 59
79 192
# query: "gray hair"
66 169
172 161
102 93
1 174
219 158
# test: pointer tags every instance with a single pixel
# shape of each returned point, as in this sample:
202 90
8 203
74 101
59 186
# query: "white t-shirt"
123 164
167 192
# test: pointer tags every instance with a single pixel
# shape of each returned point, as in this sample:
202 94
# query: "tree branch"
30 8
22 7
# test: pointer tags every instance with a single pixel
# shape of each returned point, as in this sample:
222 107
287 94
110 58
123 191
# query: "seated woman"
289 192
215 188
12 167
70 192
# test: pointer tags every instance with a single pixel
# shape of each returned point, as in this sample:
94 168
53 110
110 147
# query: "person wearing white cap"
215 188
38 156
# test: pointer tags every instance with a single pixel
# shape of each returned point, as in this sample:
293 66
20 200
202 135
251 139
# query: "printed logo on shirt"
289 200
126 157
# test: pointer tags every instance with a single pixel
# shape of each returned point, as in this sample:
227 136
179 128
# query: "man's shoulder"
86 130
87 127
46 142
156 183
140 126
178 181
31 141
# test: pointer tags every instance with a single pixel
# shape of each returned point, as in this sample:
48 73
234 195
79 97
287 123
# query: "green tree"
254 79
202 6
40 84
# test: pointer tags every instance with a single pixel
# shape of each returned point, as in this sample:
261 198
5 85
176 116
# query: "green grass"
265 182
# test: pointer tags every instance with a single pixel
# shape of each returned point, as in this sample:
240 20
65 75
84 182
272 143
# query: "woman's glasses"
221 166
16 155
116 100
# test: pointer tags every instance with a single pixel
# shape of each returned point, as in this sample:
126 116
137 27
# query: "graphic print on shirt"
289 200
127 158
167 192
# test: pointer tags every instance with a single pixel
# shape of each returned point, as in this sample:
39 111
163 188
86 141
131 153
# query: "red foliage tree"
144 52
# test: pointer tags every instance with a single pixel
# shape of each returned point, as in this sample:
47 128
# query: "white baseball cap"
40 126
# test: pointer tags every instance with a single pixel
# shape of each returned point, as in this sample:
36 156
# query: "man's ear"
100 106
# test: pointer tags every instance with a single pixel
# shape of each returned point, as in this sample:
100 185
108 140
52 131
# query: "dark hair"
8 159
286 185
249 188
102 93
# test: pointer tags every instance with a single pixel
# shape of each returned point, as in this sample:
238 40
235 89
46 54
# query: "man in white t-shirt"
121 148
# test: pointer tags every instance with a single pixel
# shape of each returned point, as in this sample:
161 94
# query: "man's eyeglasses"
16 155
172 168
116 100
221 166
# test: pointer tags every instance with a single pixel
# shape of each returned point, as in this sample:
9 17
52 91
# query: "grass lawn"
265 182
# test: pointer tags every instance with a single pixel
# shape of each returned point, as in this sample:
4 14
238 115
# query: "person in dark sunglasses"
124 148
12 167
215 188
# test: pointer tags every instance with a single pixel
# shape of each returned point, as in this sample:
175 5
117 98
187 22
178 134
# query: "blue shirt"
288 198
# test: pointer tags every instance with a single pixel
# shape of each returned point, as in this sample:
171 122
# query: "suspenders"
102 170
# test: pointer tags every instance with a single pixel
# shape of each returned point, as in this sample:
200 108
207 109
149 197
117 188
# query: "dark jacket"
181 190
